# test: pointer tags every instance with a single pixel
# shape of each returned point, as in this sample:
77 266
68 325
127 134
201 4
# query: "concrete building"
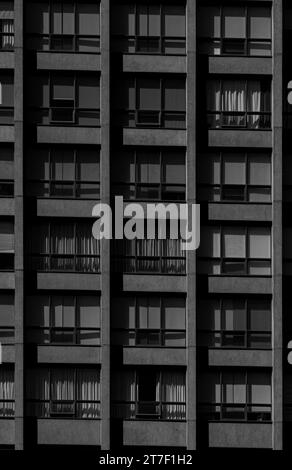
139 344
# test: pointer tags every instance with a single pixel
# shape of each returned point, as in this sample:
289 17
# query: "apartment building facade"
139 344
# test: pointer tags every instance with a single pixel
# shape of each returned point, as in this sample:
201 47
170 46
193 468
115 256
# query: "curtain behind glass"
8 28
233 102
38 392
88 392
6 392
88 247
173 390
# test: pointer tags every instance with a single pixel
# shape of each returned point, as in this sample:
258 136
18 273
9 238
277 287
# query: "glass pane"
210 242
62 165
234 315
149 94
234 242
153 20
124 168
88 165
174 313
123 19
88 311
154 313
174 20
37 310
234 22
174 95
37 18
88 19
209 315
88 93
209 168
68 18
174 171
148 168
6 310
260 316
234 388
56 22
259 169
63 88
259 385
260 26
259 242
38 165
6 90
260 48
234 169
209 22
123 312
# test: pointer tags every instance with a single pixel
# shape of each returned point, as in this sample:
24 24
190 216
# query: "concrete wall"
68 354
8 355
65 207
7 206
239 138
7 280
154 356
240 435
240 65
6 60
68 135
153 283
70 281
6 133
7 431
239 285
63 61
163 137
154 433
154 63
240 212
68 432
239 358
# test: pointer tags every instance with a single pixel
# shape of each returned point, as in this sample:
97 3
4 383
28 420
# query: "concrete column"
191 198
18 227
105 197
277 112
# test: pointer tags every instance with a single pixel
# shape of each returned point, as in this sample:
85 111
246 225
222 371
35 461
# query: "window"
149 394
64 247
63 319
152 102
235 251
149 28
239 104
63 26
6 318
235 396
6 245
6 99
6 171
235 30
287 250
155 175
235 323
64 173
149 321
7 392
65 99
234 177
163 256
6 26
63 393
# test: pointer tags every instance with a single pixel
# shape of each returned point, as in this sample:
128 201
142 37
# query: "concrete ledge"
68 432
165 137
239 358
154 356
240 435
6 133
153 283
7 60
240 212
239 138
154 433
7 280
8 354
154 63
68 135
7 432
65 61
240 65
70 281
7 206
239 285
69 354
65 207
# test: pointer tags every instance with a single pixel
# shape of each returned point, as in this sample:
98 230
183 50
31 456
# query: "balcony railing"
235 412
150 410
235 266
235 47
89 44
63 189
71 409
164 45
151 191
6 115
64 336
149 337
65 263
239 120
7 335
234 193
65 116
152 119
151 264
235 339
7 408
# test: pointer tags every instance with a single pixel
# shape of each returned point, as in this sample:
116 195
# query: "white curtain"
154 249
214 102
6 392
62 390
233 101
88 391
38 392
62 243
255 101
8 28
88 247
173 390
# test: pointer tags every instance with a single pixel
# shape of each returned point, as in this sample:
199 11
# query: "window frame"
221 41
221 187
